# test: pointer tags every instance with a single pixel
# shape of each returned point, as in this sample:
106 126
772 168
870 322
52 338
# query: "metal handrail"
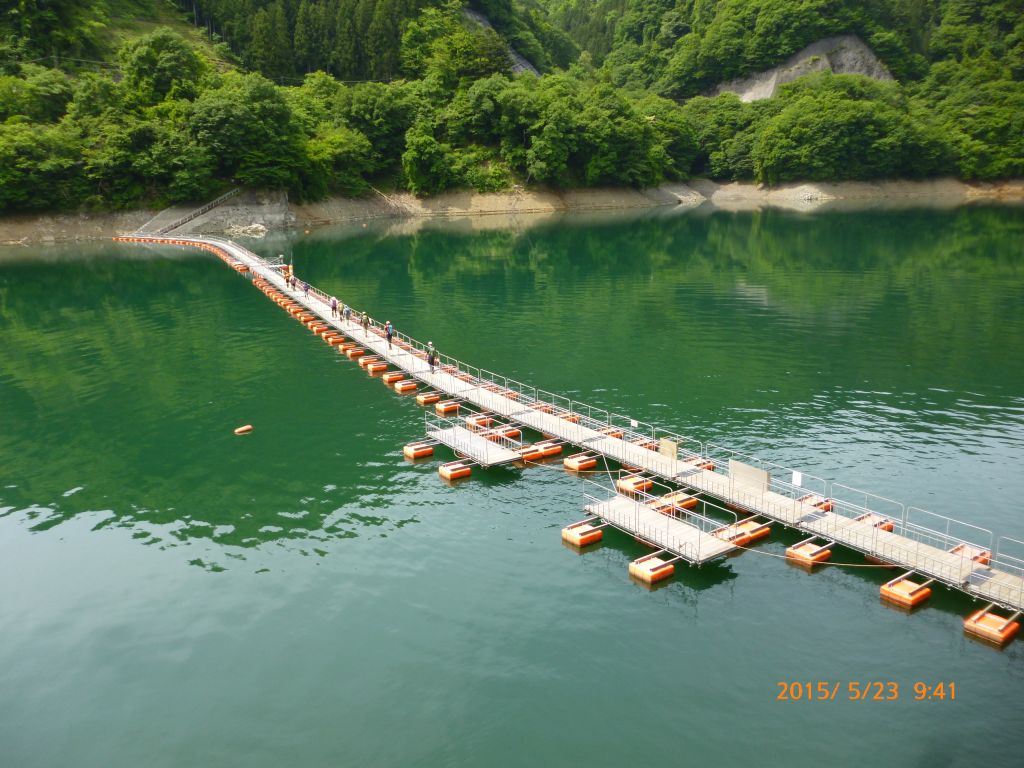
198 212
432 421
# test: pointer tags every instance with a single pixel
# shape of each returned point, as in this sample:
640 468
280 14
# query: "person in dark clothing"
431 356
305 289
389 331
366 323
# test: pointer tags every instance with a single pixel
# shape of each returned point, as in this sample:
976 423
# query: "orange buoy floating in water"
455 470
548 449
744 532
378 367
681 499
542 450
651 568
986 625
392 376
426 398
582 533
633 484
445 407
418 450
675 503
580 462
404 386
244 430
904 592
508 432
809 554
479 420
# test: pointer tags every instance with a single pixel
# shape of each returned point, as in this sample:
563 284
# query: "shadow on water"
697 578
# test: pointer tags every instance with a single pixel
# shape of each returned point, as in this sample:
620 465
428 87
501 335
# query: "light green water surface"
173 595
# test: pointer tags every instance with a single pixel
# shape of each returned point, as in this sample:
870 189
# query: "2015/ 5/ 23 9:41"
854 690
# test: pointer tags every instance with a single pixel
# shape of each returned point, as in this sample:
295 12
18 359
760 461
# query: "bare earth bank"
254 213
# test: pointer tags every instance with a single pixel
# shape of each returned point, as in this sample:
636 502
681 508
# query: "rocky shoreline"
255 213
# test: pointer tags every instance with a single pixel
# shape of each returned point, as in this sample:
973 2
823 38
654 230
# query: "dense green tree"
382 40
346 57
37 94
54 28
271 49
38 167
246 125
427 163
838 127
339 157
422 33
305 39
383 113
313 31
674 134
93 96
160 65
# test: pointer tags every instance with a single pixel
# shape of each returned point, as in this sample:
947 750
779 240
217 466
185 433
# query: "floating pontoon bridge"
692 501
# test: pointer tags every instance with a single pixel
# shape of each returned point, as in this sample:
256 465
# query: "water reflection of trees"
126 377
906 298
833 284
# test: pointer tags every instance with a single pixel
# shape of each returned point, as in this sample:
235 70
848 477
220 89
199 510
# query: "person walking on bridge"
389 331
366 322
347 313
431 355
305 289
334 307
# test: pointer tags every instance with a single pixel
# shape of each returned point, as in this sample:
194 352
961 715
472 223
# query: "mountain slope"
412 94
842 54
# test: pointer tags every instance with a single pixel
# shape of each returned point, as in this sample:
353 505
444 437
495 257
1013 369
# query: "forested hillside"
357 39
99 110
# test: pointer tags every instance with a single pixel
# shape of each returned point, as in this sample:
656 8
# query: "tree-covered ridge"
960 65
53 28
682 47
423 97
173 128
358 39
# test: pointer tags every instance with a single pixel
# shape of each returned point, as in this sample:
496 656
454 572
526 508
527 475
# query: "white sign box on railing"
751 477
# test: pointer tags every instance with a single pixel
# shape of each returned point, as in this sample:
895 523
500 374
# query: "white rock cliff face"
843 55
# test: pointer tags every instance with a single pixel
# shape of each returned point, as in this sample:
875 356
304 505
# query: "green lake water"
173 595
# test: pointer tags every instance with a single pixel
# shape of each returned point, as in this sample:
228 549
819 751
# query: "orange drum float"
581 534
